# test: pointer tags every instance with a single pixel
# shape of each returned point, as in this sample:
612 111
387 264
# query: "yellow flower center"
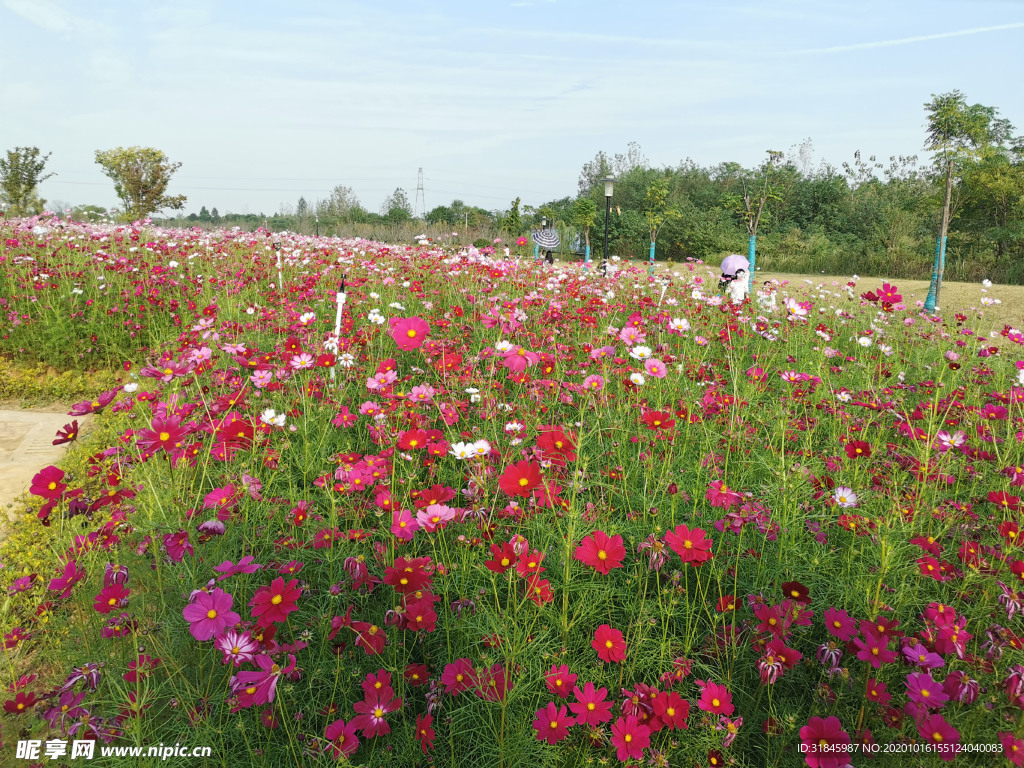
276 600
211 614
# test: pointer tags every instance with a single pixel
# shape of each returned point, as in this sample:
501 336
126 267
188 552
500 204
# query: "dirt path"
26 446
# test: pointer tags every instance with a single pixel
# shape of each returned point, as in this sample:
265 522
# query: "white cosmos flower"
462 450
987 283
637 378
864 341
480 448
273 418
503 346
131 387
640 352
845 497
347 360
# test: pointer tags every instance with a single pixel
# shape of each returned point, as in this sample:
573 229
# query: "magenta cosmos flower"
609 644
601 551
210 614
409 332
824 742
275 602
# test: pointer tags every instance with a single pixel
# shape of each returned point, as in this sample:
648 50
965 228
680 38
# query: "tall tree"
658 210
584 216
20 175
512 222
396 206
958 133
140 176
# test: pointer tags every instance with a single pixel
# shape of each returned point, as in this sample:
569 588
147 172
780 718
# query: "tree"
396 207
140 176
584 216
204 215
957 134
657 210
20 175
769 182
215 215
512 222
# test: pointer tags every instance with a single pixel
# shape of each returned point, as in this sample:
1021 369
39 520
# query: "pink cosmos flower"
209 614
409 332
370 718
593 383
840 624
825 743
177 544
342 738
590 706
944 737
631 738
609 644
715 698
655 368
275 602
518 359
71 576
237 647
256 688
552 723
403 524
227 569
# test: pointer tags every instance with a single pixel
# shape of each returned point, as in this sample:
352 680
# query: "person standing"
738 288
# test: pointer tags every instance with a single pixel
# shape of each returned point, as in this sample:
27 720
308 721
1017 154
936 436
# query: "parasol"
546 238
734 262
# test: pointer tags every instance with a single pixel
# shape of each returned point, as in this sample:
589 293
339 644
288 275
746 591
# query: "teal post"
586 258
751 255
536 252
937 270
651 270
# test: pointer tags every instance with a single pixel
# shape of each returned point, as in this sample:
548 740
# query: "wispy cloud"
904 40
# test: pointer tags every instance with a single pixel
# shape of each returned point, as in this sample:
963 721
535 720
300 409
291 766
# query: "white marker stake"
339 297
280 281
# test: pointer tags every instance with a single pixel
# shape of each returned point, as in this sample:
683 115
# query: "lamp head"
609 183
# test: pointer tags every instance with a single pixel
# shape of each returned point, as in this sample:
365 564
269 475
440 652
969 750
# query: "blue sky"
265 102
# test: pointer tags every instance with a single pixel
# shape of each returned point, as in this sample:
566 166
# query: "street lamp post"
609 183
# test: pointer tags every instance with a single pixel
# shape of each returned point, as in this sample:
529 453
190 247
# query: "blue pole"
751 256
536 252
651 270
586 258
933 288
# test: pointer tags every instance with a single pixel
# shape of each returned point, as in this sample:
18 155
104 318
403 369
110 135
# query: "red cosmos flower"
412 440
274 603
342 738
935 730
458 676
165 434
671 710
67 433
840 624
407 576
409 332
552 723
539 590
857 449
520 478
424 733
416 674
590 707
877 692
715 698
529 563
47 483
1005 500
721 495
874 650
794 590
177 544
503 557
71 575
493 684
20 704
655 420
691 546
560 681
1013 748
609 644
370 718
825 743
631 738
111 597
370 637
601 551
559 448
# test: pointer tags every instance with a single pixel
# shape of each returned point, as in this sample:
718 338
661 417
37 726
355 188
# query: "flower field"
513 515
